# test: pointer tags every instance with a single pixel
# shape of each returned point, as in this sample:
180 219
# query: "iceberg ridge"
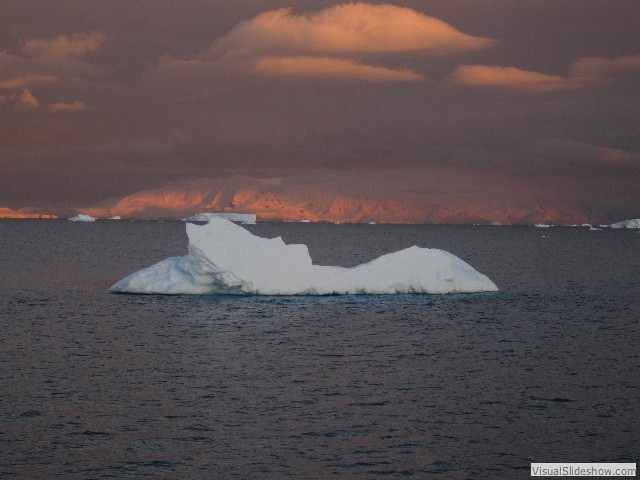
245 218
224 258
633 223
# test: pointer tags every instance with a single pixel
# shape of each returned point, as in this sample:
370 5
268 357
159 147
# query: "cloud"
349 28
508 78
63 46
18 71
27 99
327 44
599 70
587 72
52 63
26 80
581 155
616 156
330 68
76 106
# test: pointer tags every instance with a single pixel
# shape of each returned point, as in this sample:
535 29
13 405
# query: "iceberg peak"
82 217
225 258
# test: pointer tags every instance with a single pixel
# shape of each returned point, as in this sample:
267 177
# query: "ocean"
97 385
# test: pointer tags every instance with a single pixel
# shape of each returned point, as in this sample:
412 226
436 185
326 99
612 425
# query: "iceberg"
82 217
245 218
634 223
225 258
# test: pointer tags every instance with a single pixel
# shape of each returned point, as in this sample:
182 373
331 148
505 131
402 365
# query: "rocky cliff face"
22 213
275 202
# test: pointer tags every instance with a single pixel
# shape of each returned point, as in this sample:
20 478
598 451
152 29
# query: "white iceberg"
245 218
82 217
224 258
634 223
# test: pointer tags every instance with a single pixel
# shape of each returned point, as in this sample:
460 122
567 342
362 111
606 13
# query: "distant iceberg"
245 218
224 258
635 223
82 217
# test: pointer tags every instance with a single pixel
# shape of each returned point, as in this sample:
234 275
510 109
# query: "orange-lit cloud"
50 62
63 46
76 106
330 68
27 99
27 80
508 78
18 71
587 72
349 28
323 44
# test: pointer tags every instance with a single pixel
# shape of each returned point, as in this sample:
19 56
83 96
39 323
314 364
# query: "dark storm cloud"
534 98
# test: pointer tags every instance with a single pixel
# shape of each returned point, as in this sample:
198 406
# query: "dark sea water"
96 385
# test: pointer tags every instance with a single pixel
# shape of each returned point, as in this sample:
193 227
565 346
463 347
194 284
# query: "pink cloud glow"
63 46
508 78
331 68
352 27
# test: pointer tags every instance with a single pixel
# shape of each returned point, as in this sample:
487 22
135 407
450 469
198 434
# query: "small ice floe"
81 217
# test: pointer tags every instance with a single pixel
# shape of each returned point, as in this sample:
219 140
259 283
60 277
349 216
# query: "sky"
501 110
